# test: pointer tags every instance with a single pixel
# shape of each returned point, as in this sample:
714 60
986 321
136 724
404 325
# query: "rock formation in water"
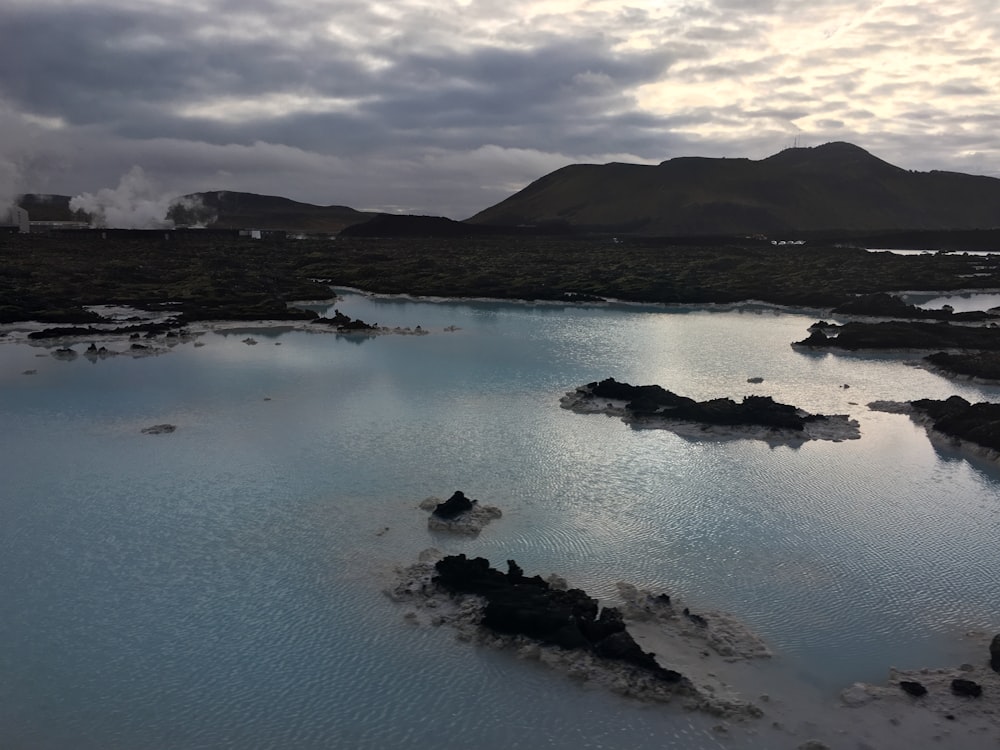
975 426
159 429
64 352
654 406
901 334
570 619
980 365
457 503
885 305
345 323
149 329
957 418
459 514
621 648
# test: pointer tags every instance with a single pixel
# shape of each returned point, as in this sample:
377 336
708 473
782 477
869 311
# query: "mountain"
837 186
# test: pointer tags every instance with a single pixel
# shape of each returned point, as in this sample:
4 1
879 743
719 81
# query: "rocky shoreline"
97 343
947 705
907 335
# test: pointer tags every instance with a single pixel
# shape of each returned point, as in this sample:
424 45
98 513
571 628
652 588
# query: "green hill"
837 186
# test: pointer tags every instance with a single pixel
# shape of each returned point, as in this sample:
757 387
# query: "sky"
447 107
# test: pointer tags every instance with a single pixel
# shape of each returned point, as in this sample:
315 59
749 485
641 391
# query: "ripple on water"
220 587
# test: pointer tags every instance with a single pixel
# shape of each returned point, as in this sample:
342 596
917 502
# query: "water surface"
221 586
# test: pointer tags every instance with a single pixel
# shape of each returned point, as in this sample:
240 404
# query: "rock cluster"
884 305
453 506
646 401
570 619
901 334
159 429
956 418
459 514
754 417
345 323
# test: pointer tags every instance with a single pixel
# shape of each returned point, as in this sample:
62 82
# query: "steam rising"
10 176
134 204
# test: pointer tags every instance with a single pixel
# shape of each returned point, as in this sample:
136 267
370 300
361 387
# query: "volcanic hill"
836 186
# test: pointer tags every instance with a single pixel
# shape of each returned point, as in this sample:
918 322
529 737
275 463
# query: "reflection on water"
220 586
897 251
966 302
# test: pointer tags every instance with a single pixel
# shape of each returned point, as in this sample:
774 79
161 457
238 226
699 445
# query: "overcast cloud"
448 106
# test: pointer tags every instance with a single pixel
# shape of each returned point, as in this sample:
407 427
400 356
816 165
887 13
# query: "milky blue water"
220 586
960 302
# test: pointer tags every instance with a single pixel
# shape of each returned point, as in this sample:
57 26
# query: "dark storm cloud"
107 66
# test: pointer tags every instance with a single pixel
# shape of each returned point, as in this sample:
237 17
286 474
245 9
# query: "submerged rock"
159 429
65 352
900 334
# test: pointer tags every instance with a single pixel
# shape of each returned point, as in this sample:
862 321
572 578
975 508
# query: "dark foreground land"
51 277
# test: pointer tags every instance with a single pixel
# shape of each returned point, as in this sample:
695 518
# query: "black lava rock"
913 688
453 506
570 619
966 687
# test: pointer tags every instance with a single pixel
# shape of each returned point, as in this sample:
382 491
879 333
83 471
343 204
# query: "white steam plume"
10 178
134 204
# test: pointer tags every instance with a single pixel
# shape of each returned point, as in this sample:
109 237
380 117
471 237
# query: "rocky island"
901 334
884 305
959 350
459 514
758 417
648 646
980 366
565 628
953 420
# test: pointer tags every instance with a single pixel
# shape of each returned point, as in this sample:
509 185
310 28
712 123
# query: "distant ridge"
408 225
836 186
221 209
227 209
